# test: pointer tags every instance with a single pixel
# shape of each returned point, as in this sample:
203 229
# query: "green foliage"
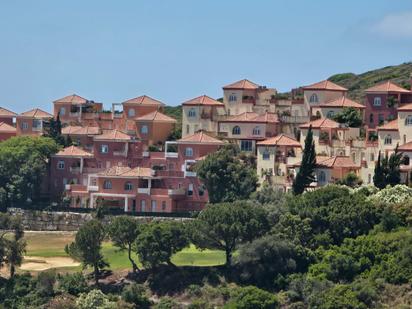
166 303
349 116
224 226
158 241
268 195
53 130
88 245
136 294
251 297
351 180
95 299
45 282
393 195
305 174
23 164
73 284
227 177
387 170
176 113
340 297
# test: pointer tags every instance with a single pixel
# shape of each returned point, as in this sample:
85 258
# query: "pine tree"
306 172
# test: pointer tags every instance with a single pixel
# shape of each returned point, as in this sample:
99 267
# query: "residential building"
6 131
7 116
32 122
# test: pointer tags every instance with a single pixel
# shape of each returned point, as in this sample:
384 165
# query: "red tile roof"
36 113
199 138
389 126
156 116
405 147
321 123
242 84
72 99
143 100
78 130
126 172
203 100
6 113
253 118
336 161
74 151
405 107
387 86
280 140
113 135
325 85
6 128
342 102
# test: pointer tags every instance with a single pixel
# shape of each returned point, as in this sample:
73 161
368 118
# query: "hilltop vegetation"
357 83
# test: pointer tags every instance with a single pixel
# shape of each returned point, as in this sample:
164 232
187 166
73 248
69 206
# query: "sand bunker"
34 263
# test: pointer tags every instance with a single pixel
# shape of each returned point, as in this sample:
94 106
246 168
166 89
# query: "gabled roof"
405 107
387 86
74 151
335 161
78 130
405 147
72 99
113 135
36 113
253 118
203 100
143 100
6 113
389 126
325 85
280 140
342 102
199 138
242 84
126 172
156 116
6 128
321 123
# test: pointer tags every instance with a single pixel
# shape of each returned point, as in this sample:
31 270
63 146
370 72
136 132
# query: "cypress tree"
379 175
306 172
393 176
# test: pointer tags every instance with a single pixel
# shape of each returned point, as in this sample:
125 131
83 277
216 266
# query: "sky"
111 51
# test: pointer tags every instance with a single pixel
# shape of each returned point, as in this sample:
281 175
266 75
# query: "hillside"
356 84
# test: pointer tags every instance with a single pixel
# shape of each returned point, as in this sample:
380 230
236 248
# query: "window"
60 165
408 120
104 148
144 129
163 205
388 140
405 160
107 184
256 131
189 152
128 186
371 118
266 154
131 112
37 123
190 190
24 125
154 206
322 176
191 113
313 98
236 130
246 146
62 111
377 101
381 118
369 178
372 157
330 114
354 156
232 98
187 129
143 205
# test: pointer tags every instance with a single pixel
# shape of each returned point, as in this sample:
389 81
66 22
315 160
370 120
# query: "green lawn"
52 245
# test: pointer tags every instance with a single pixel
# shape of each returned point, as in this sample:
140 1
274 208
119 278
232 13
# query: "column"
126 202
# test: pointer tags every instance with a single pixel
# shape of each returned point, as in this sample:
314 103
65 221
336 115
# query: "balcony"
295 119
93 188
338 143
120 153
92 170
143 191
171 154
163 173
74 170
248 100
293 160
190 174
76 114
180 191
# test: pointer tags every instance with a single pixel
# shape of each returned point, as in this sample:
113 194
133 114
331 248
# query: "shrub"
166 303
95 299
136 294
251 297
393 195
73 284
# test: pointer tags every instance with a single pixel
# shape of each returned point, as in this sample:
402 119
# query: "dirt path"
35 263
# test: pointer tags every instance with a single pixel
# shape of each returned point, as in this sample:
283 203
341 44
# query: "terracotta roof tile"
242 84
6 128
124 171
143 100
387 86
405 147
6 113
405 107
321 123
335 162
253 117
74 151
156 116
280 140
36 113
73 99
389 126
113 135
325 85
203 100
78 130
200 138
342 102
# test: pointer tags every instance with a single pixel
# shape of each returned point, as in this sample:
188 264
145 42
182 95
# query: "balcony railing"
295 119
121 153
93 188
171 154
92 170
143 191
180 191
74 114
248 100
169 173
190 174
75 170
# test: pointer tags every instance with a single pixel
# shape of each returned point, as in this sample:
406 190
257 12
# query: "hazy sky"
110 51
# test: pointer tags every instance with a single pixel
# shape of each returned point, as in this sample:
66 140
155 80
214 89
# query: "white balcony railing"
143 191
122 153
180 191
146 154
171 154
190 174
75 170
93 188
67 187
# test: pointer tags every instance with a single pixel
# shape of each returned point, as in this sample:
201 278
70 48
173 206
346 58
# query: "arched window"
377 101
144 129
405 160
107 184
388 140
128 186
408 120
236 130
189 152
256 131
192 113
322 176
131 112
371 118
313 98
